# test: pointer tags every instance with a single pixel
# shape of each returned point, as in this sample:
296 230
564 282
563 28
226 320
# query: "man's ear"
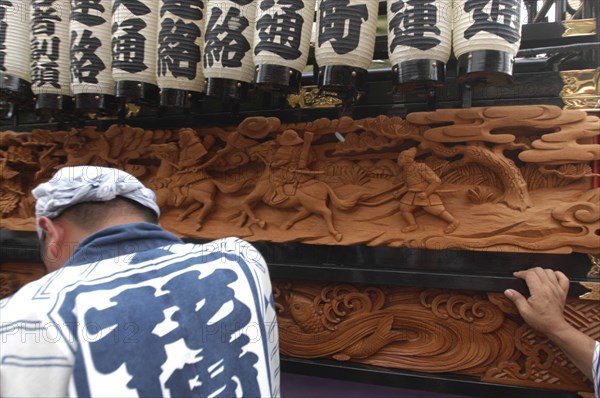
53 242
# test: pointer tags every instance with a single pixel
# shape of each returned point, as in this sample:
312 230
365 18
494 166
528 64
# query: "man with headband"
129 309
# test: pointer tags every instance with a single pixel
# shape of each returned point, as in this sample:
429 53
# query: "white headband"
73 185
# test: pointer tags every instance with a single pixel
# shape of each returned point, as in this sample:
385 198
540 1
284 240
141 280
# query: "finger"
523 273
533 278
550 275
551 280
563 282
518 299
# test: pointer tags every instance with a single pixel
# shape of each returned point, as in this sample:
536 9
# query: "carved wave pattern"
426 330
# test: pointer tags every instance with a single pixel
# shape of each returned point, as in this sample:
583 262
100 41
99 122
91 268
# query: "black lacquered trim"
277 77
228 89
343 78
485 66
452 269
137 92
177 98
381 265
419 71
398 378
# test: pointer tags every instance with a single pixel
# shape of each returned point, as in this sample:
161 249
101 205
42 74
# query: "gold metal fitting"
579 27
312 97
594 272
581 89
586 394
132 110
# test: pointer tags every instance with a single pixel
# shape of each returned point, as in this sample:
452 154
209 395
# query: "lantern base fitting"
52 105
418 73
226 89
137 92
346 81
485 67
271 77
14 89
96 104
177 98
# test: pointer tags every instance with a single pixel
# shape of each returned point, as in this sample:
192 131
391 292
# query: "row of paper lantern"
84 47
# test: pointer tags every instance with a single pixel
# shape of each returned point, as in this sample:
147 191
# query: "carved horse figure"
287 182
182 181
191 190
308 197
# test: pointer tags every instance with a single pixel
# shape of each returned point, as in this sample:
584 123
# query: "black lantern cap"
137 92
343 79
172 97
53 104
419 71
227 89
485 67
276 77
14 89
96 103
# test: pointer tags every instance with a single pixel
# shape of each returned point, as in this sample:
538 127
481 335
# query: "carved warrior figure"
181 180
88 147
421 186
287 182
11 191
17 157
522 176
290 164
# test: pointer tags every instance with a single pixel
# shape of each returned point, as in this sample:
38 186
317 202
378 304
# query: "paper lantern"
419 40
486 39
91 77
15 67
179 61
281 42
228 64
134 42
345 43
50 58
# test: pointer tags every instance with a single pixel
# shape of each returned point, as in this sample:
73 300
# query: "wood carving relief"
514 178
427 330
15 275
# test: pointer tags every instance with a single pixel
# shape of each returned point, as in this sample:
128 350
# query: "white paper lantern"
50 46
487 25
282 34
419 30
134 40
228 40
179 50
90 48
15 39
419 40
346 32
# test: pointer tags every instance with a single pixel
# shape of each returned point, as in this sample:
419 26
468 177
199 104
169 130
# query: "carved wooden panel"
15 275
515 178
427 330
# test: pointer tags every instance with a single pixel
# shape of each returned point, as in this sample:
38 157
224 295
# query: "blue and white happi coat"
136 312
596 369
